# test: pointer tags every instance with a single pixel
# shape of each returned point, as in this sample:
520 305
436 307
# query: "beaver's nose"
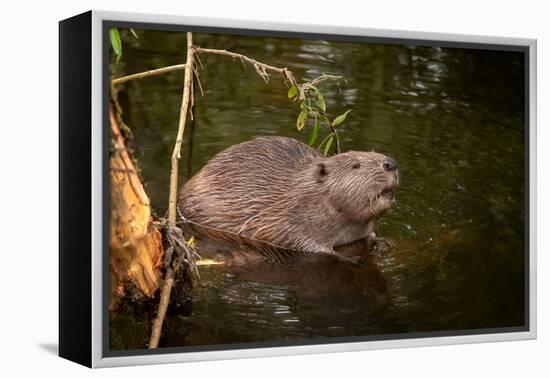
389 164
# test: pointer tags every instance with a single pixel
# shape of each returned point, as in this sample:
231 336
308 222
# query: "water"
452 118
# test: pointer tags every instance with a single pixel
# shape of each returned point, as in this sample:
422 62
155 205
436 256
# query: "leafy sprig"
313 110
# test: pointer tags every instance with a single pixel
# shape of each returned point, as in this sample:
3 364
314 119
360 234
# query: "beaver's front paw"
379 244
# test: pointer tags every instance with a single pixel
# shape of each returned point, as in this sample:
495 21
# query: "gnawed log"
136 250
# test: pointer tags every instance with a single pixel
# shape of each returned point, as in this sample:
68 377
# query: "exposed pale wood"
135 244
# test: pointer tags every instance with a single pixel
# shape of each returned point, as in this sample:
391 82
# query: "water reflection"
453 119
264 301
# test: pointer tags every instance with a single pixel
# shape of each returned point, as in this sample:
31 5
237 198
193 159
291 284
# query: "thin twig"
149 73
172 201
199 81
192 102
261 68
163 307
323 77
198 59
176 154
183 249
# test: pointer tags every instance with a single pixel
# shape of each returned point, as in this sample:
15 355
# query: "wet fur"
287 194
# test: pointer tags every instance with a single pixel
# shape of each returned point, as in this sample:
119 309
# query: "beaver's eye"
356 165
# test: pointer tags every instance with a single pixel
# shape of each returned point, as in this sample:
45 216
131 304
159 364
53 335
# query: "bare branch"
163 307
323 77
149 73
172 201
176 154
199 61
261 68
199 81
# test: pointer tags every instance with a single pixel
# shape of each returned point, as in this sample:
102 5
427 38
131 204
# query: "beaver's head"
360 184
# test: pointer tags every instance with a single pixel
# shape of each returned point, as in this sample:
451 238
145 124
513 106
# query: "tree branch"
176 154
172 201
149 73
323 77
163 307
261 68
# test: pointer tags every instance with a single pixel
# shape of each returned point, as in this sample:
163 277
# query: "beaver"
276 193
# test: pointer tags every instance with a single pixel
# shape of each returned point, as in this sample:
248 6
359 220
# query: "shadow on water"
452 118
247 299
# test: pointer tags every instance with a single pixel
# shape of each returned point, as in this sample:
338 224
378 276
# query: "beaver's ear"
321 172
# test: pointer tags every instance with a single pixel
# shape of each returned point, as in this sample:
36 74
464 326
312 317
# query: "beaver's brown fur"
280 193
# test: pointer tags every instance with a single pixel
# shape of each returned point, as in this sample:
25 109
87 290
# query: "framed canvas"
235 189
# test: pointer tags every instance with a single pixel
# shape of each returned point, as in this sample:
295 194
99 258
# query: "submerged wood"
135 244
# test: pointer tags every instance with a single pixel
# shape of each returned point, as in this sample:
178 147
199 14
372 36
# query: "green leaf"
301 121
293 91
323 141
314 133
134 33
341 118
329 143
321 102
116 43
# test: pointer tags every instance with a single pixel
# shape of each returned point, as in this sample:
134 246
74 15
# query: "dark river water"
452 118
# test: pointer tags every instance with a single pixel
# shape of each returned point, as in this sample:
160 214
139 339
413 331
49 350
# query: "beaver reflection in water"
285 199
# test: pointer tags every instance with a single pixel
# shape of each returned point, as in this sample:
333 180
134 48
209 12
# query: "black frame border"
75 189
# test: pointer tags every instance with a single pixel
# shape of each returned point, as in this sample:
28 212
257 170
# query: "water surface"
452 118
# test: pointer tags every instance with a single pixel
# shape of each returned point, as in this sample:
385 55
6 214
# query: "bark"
135 244
142 75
